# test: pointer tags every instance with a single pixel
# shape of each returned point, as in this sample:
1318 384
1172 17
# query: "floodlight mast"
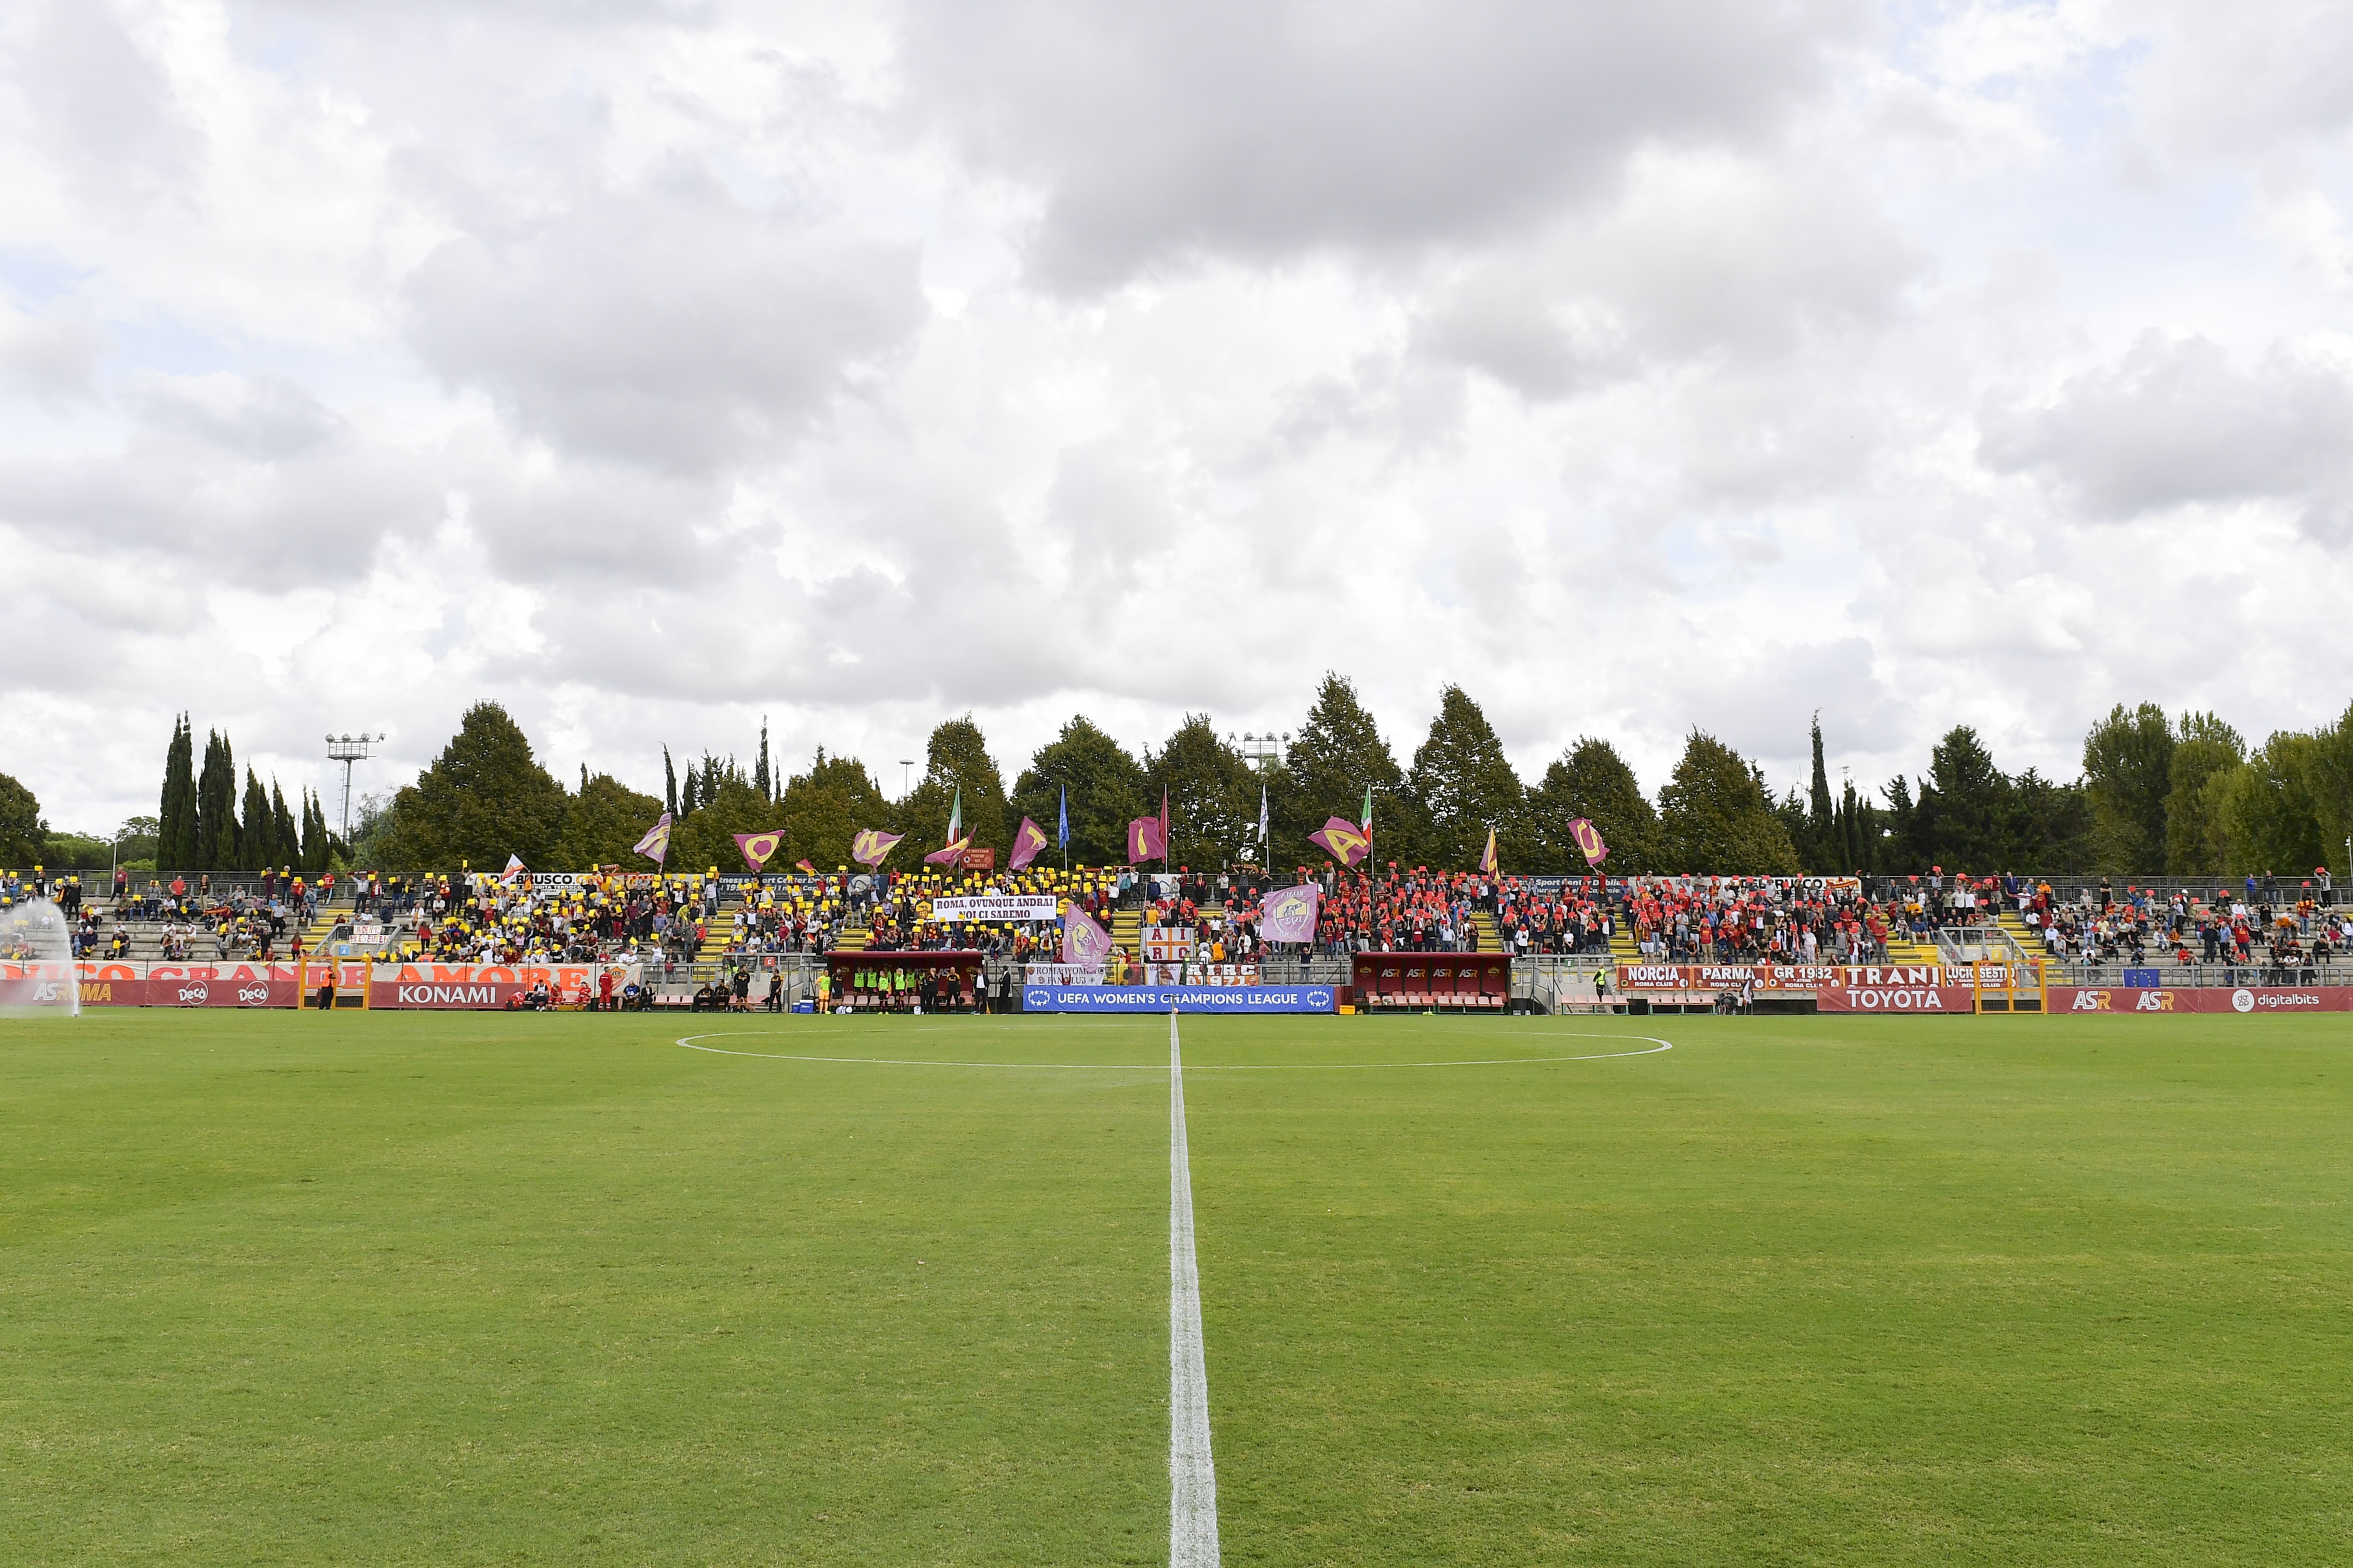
347 749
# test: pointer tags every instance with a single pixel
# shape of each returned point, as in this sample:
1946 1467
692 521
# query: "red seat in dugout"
1420 981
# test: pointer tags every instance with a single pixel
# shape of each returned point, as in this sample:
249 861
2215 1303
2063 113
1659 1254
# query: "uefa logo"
2243 1000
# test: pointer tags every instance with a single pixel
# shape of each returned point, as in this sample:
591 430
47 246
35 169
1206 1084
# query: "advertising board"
1252 999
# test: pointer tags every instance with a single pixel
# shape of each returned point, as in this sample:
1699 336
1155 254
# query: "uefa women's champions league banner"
1230 999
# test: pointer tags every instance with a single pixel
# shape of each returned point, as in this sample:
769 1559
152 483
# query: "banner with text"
1042 907
1177 998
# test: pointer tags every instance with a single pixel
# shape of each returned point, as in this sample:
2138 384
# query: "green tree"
175 830
728 803
319 844
1716 818
1964 811
2205 748
1106 790
286 839
2051 830
256 838
2329 782
822 809
606 820
1461 785
2268 808
957 765
484 798
2127 772
23 833
1592 781
1334 757
217 806
1818 849
1212 795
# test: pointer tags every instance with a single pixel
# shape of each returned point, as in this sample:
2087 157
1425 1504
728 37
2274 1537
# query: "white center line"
1192 1477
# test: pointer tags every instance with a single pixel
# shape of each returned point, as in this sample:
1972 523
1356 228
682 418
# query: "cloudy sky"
651 365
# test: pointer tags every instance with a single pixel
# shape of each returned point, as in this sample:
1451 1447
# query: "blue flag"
1065 841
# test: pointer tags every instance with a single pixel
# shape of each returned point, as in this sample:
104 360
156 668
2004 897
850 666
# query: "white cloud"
654 364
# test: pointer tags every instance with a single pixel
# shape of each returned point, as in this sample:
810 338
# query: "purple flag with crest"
1083 941
1288 914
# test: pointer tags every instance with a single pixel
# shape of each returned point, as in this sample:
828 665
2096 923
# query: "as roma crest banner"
1288 914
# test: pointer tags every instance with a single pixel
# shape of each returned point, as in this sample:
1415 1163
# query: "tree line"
202 825
2157 796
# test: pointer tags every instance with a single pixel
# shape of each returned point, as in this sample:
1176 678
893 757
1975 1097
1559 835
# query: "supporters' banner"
1061 974
1028 843
755 848
1764 977
1588 840
1288 914
872 844
1146 839
948 854
1177 998
1083 941
2249 999
1040 907
1343 840
655 845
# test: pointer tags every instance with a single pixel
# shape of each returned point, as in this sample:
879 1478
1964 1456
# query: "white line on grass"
1654 1046
1192 1477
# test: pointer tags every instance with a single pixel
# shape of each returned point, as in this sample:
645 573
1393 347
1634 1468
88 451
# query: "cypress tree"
217 806
258 836
1820 850
285 839
669 783
176 831
761 778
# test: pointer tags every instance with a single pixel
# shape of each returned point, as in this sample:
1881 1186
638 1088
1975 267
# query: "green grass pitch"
452 1289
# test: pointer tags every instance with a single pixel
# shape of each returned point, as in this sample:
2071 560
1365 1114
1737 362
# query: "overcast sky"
650 365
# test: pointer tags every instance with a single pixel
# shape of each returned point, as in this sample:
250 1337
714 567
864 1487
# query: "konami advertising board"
437 986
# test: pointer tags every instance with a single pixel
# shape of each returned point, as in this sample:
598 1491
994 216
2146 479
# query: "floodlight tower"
347 749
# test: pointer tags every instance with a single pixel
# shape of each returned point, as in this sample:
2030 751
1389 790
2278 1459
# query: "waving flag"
1487 860
1028 843
1083 941
755 848
1343 840
948 854
1368 815
1146 839
515 868
1063 842
1589 840
1288 914
955 817
805 867
655 845
871 844
1262 815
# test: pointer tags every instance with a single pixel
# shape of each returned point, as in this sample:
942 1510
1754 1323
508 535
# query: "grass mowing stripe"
1192 1474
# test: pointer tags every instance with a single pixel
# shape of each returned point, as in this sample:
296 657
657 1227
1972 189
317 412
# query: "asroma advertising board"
2246 999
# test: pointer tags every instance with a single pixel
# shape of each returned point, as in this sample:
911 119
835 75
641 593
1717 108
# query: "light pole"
347 749
906 786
